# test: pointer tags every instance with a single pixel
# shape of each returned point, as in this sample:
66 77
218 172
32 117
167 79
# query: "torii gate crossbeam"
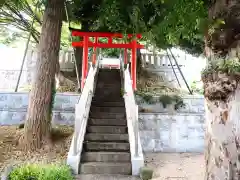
86 43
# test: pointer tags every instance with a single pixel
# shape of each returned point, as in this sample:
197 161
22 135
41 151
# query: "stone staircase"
106 148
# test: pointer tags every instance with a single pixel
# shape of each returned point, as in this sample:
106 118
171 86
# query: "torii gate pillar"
134 65
84 60
125 56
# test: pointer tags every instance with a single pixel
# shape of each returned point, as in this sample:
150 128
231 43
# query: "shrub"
146 173
41 172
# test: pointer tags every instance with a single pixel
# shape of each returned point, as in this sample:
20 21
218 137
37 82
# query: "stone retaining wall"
166 130
13 108
161 131
193 104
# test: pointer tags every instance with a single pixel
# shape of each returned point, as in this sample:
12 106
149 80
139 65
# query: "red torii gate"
86 43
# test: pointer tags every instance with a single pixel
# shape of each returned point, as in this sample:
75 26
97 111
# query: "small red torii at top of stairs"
86 43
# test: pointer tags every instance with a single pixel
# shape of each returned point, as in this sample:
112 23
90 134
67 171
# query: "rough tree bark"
78 64
38 122
222 96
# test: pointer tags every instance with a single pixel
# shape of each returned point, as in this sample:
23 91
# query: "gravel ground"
176 166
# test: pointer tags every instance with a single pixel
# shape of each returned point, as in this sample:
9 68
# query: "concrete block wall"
166 130
172 133
160 131
13 108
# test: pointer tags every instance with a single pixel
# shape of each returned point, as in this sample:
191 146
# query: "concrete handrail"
131 107
81 116
132 122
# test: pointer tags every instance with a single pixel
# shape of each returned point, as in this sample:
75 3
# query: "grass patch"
41 172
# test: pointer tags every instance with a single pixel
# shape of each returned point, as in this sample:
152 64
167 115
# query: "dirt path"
175 166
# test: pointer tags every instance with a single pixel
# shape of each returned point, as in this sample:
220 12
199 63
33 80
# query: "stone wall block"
148 143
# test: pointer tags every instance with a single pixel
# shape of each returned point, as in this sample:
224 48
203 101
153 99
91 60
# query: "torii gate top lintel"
110 37
86 43
103 34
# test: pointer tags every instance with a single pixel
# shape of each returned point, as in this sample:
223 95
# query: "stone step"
107 146
105 168
108 98
108 87
116 82
114 97
108 104
104 101
109 77
105 177
107 115
109 70
104 89
113 73
108 109
106 137
107 129
106 157
106 73
101 99
107 122
110 94
108 90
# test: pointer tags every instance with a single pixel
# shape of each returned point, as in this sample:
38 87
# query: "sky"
11 58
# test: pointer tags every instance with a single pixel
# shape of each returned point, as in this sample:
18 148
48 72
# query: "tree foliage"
19 13
183 25
16 17
163 23
9 37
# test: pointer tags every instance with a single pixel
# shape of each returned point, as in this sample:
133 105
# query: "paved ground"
175 166
166 166
106 177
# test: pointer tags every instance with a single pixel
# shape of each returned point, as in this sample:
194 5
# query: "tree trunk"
222 127
222 97
78 57
139 61
38 122
79 54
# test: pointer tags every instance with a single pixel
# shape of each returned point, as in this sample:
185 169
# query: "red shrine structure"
86 43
